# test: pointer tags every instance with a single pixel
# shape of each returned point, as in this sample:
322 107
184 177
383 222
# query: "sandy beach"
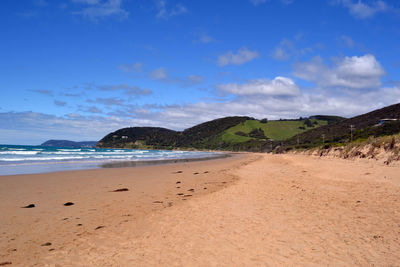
251 209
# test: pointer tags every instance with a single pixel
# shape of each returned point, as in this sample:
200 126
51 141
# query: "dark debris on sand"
121 190
5 263
46 244
99 227
29 206
68 204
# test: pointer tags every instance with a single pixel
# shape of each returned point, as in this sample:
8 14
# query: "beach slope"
261 210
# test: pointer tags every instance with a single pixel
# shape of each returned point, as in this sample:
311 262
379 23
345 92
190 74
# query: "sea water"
16 159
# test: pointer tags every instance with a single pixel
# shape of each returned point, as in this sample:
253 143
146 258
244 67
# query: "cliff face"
382 149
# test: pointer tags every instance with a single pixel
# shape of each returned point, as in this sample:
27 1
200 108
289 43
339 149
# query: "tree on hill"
258 134
308 123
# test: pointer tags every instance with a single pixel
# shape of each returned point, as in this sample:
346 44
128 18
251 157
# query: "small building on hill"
383 121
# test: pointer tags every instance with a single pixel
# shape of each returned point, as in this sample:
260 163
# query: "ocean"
15 159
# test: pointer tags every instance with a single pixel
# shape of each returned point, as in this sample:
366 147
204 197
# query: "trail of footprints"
178 185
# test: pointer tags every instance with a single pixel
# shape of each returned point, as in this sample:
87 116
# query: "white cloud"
242 56
347 41
159 74
362 10
96 10
192 80
280 86
14 126
91 109
286 49
363 72
204 38
88 2
40 2
107 101
273 107
42 92
127 89
280 54
283 51
133 68
166 13
35 128
257 2
162 75
60 103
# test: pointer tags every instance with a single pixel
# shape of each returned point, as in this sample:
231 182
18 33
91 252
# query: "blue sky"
79 69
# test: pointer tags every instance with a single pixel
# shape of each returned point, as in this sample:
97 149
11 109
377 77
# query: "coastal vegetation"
249 134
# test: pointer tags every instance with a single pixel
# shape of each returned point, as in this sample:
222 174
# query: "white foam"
19 152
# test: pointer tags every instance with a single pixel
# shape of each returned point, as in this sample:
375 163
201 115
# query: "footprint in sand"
158 202
68 204
178 182
178 172
195 173
191 190
5 263
99 227
46 244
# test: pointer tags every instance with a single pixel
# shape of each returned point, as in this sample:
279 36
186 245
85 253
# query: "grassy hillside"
276 130
230 133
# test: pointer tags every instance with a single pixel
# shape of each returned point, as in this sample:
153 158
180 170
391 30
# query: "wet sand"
257 210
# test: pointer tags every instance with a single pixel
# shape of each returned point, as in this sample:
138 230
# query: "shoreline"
49 167
140 163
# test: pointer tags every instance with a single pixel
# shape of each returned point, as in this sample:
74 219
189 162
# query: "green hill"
275 130
230 133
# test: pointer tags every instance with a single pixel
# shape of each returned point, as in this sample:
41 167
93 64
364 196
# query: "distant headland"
67 143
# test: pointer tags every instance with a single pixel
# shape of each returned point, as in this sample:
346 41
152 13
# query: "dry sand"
257 210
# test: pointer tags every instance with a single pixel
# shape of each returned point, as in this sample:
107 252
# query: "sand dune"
264 210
